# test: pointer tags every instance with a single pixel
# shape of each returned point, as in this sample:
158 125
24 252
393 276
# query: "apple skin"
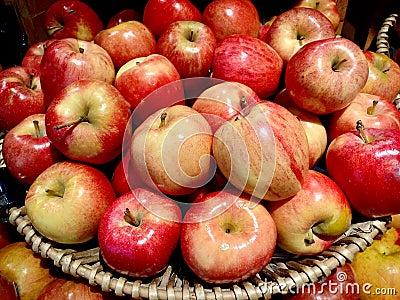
8 289
141 76
66 201
327 7
384 76
21 95
258 157
190 46
296 27
367 171
124 15
248 60
68 60
227 17
230 245
262 33
328 215
7 234
145 249
98 138
126 41
33 56
27 151
30 271
382 115
337 64
377 267
158 14
72 19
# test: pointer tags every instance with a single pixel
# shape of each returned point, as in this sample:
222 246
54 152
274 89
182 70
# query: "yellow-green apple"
262 33
296 27
139 232
263 152
374 111
21 95
336 64
190 46
224 101
384 75
72 19
158 14
316 132
127 14
86 121
365 163
28 270
395 222
227 238
376 268
126 41
68 60
8 289
327 7
33 56
171 150
312 230
141 76
27 150
227 17
66 201
248 60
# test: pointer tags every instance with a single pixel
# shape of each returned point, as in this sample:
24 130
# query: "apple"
33 56
8 289
263 152
7 234
124 15
28 270
227 17
27 150
262 32
21 95
126 41
141 76
365 163
296 27
313 230
327 7
376 269
384 76
158 14
66 201
248 60
139 233
337 64
171 150
72 19
86 121
374 111
395 222
68 60
190 46
227 238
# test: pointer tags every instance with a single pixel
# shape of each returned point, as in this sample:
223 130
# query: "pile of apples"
204 133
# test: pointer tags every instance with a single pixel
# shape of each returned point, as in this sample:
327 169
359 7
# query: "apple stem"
31 75
162 119
81 50
371 109
336 65
75 122
243 102
131 218
300 38
54 193
191 36
360 129
37 129
309 239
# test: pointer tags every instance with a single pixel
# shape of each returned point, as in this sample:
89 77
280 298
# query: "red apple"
190 46
384 76
312 230
365 163
374 111
336 64
327 7
68 60
86 121
248 60
27 150
72 19
226 238
227 17
262 33
8 234
8 289
158 14
21 95
66 201
34 54
126 41
128 14
295 28
139 232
